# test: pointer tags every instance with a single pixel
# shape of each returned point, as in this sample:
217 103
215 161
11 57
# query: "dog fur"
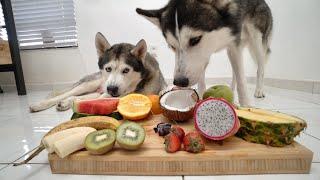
195 29
124 69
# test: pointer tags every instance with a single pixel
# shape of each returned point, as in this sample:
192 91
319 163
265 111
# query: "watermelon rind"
115 115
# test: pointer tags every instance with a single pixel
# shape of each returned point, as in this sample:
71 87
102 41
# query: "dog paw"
63 105
259 94
35 108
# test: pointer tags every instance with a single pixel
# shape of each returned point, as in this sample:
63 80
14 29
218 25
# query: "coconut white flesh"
215 118
179 100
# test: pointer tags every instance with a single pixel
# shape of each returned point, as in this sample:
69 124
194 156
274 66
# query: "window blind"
3 31
45 23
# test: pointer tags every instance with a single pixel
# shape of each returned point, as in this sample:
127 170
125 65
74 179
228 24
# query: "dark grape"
162 129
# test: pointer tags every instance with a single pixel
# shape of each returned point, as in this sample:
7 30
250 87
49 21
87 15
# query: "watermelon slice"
96 106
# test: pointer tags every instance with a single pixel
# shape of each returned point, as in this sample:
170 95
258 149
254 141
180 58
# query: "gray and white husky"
195 29
124 69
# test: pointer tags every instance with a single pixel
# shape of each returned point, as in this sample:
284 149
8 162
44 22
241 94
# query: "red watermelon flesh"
97 106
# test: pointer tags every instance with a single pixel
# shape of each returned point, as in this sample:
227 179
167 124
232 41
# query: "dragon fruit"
216 119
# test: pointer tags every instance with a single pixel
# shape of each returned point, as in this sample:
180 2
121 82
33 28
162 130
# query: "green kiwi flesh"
130 135
100 142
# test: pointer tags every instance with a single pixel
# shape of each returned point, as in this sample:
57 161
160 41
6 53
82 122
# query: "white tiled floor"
311 143
312 115
2 166
21 131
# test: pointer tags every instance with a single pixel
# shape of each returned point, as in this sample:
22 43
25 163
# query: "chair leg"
18 74
14 46
1 91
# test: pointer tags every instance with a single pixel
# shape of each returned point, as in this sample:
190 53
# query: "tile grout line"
4 167
312 136
23 164
316 103
7 165
295 108
22 156
297 99
313 87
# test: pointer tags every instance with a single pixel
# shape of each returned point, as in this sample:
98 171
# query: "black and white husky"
124 69
195 29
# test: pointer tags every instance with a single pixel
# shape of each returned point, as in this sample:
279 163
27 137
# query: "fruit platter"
175 133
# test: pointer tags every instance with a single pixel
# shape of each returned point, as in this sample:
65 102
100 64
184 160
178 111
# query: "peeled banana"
49 140
96 122
71 143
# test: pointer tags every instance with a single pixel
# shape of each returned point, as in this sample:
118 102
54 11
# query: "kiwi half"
100 142
130 135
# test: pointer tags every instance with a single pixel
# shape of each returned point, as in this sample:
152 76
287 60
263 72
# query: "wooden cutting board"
235 156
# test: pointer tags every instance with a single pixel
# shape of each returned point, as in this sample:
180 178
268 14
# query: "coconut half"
178 104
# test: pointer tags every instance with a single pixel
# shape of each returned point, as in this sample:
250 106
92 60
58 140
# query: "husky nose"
113 90
181 82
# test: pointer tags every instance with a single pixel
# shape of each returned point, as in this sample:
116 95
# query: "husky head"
122 65
194 29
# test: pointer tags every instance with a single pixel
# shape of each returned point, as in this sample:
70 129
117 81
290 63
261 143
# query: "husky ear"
153 16
101 44
220 4
140 50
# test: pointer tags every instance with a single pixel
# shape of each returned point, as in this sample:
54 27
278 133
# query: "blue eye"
108 69
125 70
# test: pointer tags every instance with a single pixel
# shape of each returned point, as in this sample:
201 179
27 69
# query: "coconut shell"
176 115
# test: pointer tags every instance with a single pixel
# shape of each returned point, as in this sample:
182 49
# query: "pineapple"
268 127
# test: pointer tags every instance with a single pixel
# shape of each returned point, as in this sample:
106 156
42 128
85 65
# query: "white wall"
294 48
49 67
119 22
296 40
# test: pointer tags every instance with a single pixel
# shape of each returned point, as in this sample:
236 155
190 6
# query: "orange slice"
134 106
156 108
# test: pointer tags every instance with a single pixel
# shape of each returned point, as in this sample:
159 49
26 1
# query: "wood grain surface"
235 156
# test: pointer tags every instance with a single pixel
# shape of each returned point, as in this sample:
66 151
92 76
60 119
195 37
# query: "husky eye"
125 70
172 47
194 41
108 69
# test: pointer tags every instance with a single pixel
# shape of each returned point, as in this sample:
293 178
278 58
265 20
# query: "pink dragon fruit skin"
216 119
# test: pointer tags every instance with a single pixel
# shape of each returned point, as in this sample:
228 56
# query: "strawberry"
172 143
178 131
193 142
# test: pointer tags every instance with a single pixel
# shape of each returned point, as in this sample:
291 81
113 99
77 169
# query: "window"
3 31
45 23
